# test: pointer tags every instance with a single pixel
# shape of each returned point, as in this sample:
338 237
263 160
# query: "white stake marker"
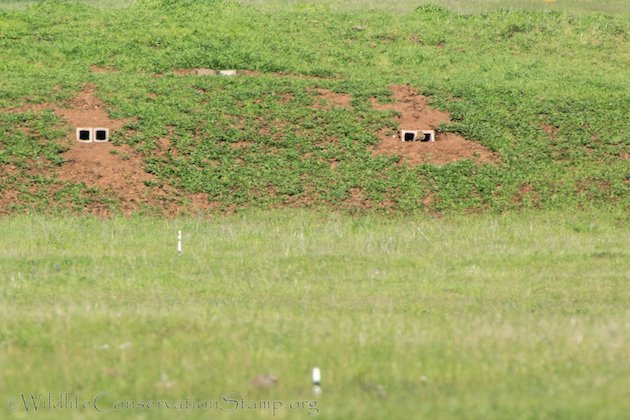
317 381
179 242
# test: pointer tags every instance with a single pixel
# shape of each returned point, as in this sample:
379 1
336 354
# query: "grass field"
518 316
489 285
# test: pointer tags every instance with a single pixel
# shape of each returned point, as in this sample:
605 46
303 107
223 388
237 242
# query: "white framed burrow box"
90 134
417 135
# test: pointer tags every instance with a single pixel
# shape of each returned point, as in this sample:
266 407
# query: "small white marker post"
179 242
317 381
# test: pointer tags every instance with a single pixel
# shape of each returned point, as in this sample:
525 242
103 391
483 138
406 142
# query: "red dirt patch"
104 165
429 199
356 198
87 110
182 72
199 203
240 144
416 114
285 98
116 169
7 198
100 69
327 99
525 192
551 130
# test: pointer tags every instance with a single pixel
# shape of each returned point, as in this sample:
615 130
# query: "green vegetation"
506 77
516 316
519 312
460 6
104 4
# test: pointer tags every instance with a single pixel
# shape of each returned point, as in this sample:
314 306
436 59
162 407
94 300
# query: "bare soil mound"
111 168
116 168
416 114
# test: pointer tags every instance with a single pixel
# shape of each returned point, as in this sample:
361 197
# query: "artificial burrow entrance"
84 135
89 135
408 136
101 134
417 135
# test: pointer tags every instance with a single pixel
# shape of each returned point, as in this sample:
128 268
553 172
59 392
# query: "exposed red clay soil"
117 169
526 191
103 165
7 198
416 114
327 99
240 145
187 72
357 199
100 69
107 166
87 110
10 197
164 144
285 98
429 199
551 130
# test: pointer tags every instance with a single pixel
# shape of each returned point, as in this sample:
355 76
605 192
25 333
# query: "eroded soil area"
416 114
118 170
112 168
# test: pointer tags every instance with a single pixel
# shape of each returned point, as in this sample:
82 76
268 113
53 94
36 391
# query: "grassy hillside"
461 6
474 317
520 312
544 93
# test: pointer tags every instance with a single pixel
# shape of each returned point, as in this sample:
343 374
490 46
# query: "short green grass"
519 316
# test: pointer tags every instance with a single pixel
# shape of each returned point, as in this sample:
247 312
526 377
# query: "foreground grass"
520 316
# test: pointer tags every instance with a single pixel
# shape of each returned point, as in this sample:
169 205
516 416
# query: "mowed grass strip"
517 316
